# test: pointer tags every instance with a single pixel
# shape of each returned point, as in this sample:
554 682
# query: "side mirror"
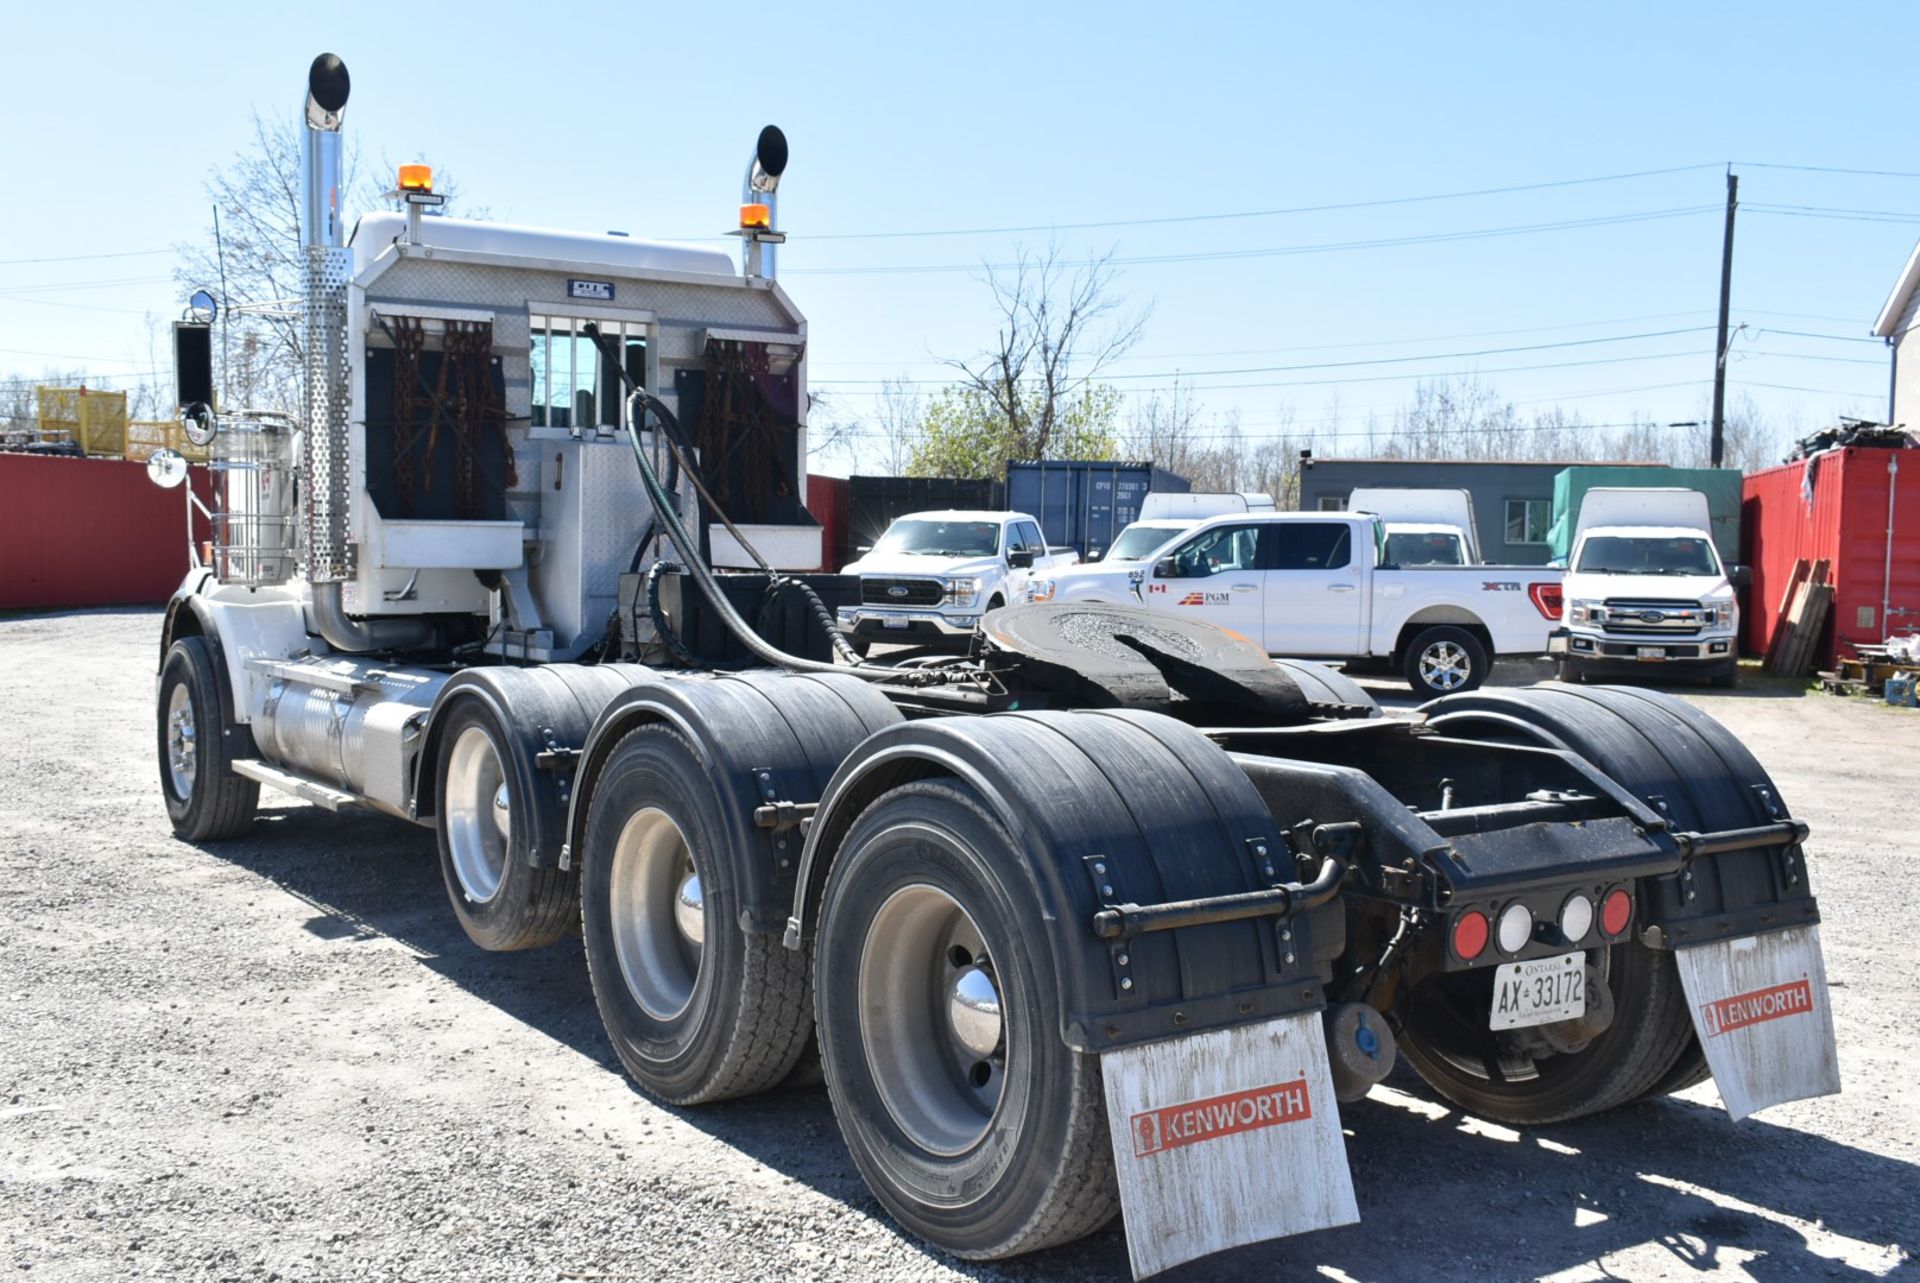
1166 568
192 362
1020 559
166 469
1740 576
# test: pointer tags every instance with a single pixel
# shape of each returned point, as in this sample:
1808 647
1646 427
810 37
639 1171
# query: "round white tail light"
1515 928
1576 918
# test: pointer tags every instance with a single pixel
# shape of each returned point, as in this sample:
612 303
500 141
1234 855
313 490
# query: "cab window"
1222 550
1311 545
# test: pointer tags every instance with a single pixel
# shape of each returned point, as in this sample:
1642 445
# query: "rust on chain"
409 335
736 417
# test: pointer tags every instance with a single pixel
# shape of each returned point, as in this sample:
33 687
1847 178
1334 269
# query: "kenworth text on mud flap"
1107 916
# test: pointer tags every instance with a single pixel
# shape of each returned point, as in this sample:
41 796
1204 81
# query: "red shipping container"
827 501
90 532
1839 515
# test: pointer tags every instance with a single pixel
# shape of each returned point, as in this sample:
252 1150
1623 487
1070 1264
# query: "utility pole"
1718 448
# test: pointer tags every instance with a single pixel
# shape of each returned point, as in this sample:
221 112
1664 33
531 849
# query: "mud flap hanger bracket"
1334 843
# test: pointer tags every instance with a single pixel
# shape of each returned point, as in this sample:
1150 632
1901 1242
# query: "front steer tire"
198 743
985 1153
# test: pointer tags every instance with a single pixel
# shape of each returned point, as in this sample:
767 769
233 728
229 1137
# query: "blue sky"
990 116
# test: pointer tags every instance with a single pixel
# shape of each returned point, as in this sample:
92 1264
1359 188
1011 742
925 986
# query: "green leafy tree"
969 432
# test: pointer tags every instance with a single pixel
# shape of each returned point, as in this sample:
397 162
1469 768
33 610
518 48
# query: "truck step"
312 790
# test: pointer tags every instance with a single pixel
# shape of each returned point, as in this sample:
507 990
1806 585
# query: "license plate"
1651 652
1539 991
893 623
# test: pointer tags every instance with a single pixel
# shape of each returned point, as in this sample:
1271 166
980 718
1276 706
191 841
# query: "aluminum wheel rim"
1444 665
479 822
659 913
183 753
931 1022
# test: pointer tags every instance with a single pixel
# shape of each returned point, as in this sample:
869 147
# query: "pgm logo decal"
1499 585
1729 1014
1206 599
1176 1126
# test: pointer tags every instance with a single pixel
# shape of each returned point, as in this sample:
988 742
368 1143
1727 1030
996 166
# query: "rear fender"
547 710
1105 808
764 737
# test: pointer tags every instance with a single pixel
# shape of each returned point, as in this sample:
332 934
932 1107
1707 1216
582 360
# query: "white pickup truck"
1425 527
1318 585
1645 590
933 574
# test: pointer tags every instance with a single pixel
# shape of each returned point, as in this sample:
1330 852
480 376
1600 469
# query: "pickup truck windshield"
942 538
1136 542
1647 555
1408 549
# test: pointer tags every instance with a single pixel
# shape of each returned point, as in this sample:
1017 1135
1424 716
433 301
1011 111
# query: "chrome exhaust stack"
329 268
758 189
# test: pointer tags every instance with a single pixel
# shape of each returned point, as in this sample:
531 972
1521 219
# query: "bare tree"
256 265
1060 327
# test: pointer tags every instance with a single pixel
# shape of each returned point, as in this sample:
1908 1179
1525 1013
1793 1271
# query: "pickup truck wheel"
1654 746
205 800
1444 660
976 1126
502 901
860 648
1727 676
1565 670
697 1009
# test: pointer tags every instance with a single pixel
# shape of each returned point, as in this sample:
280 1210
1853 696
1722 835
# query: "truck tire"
697 1008
502 901
206 801
1444 660
971 1119
1653 745
1726 677
1566 670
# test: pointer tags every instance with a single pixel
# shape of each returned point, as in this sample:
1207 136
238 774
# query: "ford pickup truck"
1320 585
933 574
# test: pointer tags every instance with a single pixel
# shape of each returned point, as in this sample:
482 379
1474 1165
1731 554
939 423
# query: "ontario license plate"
1651 652
1539 991
893 623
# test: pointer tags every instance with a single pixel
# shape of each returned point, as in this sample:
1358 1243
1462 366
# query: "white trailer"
1111 914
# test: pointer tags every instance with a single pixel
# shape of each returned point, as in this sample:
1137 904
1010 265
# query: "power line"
1324 347
83 258
1431 238
1391 378
1330 365
1827 169
1261 213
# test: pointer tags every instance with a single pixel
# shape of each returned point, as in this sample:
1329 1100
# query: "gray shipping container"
1085 503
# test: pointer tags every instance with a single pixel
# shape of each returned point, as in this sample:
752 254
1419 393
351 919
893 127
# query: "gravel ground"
279 1058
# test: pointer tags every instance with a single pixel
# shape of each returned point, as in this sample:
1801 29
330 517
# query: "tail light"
1547 599
1470 933
1616 911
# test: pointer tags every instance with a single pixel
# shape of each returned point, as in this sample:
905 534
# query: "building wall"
89 532
1906 368
1492 485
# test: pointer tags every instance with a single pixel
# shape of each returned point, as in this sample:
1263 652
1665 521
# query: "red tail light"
1470 932
1616 911
1547 599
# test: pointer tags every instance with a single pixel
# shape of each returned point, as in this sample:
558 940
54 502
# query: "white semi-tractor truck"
1109 914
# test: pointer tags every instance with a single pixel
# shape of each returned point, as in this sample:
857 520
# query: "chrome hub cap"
478 820
930 1019
1444 666
659 913
182 752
